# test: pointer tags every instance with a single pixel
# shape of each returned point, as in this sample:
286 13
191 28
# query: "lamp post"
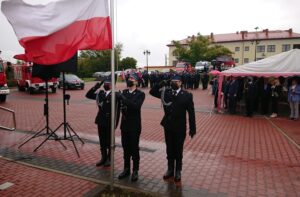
255 42
146 52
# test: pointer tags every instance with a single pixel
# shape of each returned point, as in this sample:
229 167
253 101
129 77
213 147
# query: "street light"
256 42
146 52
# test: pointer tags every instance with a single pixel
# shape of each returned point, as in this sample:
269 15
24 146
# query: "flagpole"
113 98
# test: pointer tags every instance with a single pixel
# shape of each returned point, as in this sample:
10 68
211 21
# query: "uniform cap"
176 78
107 80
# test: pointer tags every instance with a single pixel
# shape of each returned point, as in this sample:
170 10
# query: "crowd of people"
260 95
190 80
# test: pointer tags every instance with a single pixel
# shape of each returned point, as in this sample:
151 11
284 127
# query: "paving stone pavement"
229 156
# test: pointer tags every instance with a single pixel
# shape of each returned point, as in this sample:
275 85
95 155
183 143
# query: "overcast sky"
152 24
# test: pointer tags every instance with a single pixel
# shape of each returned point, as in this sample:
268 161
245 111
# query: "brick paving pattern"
229 156
32 182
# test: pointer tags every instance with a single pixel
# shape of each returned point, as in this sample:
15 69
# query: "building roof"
247 36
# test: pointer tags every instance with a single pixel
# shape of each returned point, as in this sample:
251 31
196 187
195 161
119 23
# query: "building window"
237 48
174 62
286 47
271 48
261 48
247 48
246 60
236 60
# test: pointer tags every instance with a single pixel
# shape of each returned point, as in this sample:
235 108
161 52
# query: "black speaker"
46 72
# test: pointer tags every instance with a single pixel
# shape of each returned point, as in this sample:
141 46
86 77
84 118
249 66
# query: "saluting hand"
97 85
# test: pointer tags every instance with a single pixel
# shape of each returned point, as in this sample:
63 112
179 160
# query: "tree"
128 62
91 61
199 48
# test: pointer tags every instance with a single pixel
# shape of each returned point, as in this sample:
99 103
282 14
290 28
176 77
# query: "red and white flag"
53 33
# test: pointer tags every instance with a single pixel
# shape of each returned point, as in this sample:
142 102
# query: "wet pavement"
231 155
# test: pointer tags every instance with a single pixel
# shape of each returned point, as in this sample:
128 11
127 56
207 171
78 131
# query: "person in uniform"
265 96
232 95
131 100
176 102
250 95
103 118
204 80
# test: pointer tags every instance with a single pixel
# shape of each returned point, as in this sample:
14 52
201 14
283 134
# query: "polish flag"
53 33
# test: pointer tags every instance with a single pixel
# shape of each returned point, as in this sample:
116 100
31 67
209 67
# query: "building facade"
250 46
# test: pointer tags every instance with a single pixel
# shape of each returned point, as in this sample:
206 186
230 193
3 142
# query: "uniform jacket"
233 88
250 90
104 104
265 91
131 110
175 114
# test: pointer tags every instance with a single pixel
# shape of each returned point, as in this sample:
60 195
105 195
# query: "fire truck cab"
25 81
4 91
183 66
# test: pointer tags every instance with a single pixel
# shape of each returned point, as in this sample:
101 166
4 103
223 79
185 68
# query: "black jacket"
104 104
175 113
131 104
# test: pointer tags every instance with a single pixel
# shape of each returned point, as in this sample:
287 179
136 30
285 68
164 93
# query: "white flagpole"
113 98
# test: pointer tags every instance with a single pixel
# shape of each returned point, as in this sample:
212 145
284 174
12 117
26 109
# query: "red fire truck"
4 91
183 66
25 81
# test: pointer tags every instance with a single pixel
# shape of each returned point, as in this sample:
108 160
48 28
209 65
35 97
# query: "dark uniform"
131 126
103 120
174 123
265 93
250 95
232 95
204 80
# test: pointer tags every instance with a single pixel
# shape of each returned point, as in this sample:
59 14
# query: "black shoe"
124 174
101 162
177 176
107 163
169 174
134 176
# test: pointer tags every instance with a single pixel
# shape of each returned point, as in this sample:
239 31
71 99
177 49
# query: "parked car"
98 74
71 82
106 74
202 66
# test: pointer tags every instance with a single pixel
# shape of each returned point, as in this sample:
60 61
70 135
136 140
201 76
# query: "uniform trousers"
130 143
104 139
174 142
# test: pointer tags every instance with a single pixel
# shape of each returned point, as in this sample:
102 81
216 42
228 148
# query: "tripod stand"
67 127
46 128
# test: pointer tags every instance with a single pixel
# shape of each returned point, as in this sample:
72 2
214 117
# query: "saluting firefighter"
131 101
103 118
176 102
